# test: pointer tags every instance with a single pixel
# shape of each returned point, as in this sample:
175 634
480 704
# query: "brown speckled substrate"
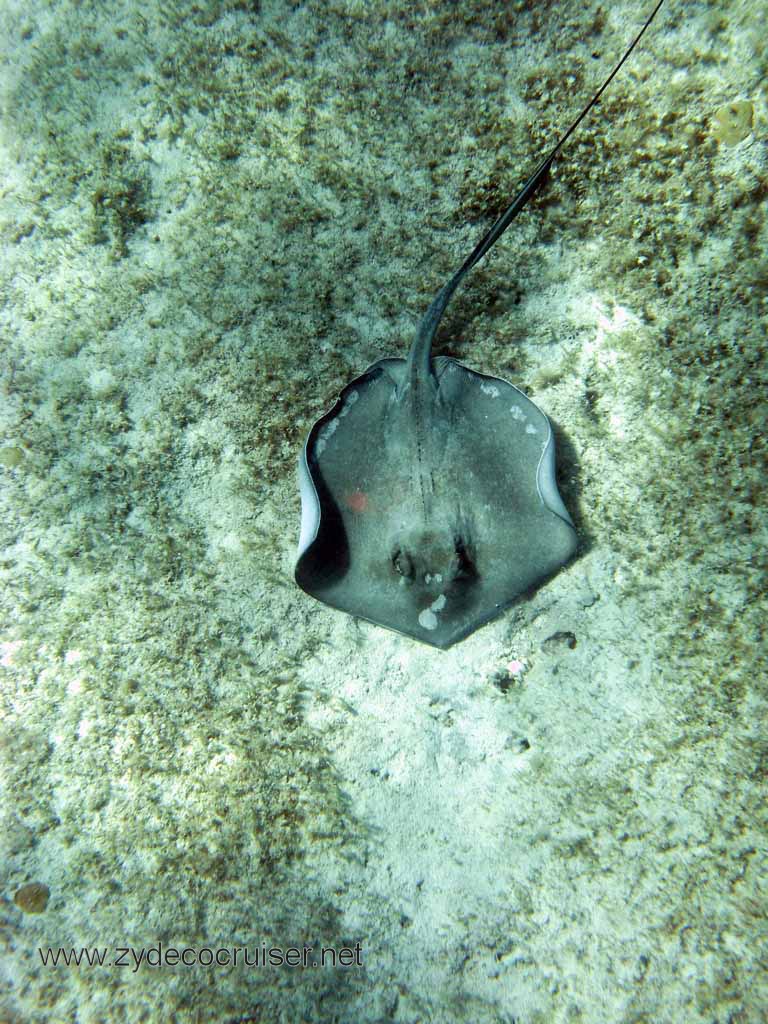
212 217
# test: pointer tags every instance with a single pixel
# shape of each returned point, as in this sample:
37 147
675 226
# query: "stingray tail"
420 356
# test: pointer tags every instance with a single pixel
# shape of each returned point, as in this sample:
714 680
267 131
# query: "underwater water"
224 801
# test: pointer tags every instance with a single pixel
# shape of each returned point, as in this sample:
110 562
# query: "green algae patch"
11 457
733 122
32 898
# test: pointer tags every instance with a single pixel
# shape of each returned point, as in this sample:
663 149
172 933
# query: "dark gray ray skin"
429 498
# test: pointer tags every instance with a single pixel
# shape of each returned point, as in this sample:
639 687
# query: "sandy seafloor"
213 215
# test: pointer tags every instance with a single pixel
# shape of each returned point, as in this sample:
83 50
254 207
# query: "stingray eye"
403 564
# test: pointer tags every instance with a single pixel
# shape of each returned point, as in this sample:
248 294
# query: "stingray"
429 497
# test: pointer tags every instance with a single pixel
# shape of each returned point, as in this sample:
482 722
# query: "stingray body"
429 498
431 524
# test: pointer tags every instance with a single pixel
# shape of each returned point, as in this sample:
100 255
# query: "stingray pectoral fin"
338 468
503 451
310 505
547 482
